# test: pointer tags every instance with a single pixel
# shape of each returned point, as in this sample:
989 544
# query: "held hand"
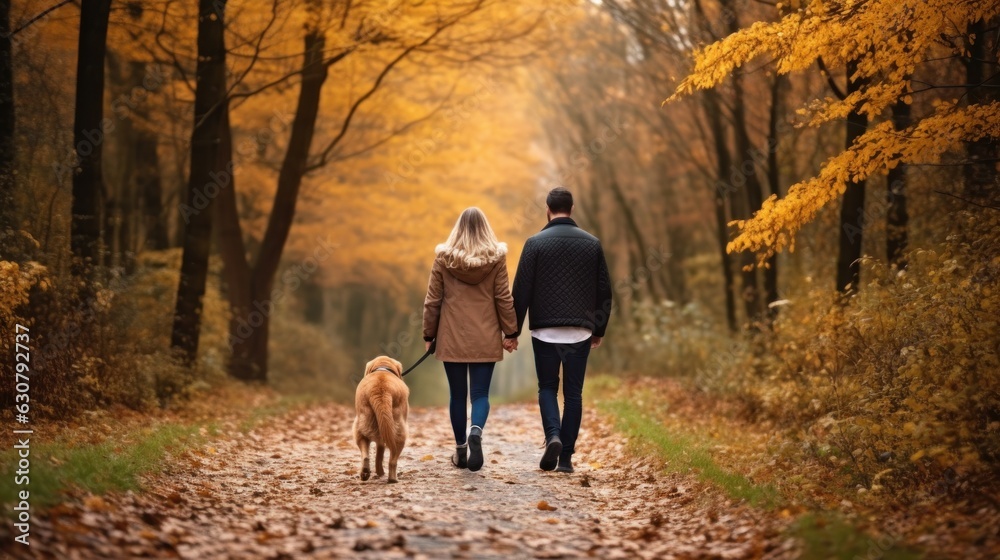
595 341
510 344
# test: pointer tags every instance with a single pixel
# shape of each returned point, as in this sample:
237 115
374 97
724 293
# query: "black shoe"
458 459
565 465
475 448
553 447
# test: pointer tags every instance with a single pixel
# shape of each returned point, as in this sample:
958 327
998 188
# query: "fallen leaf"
96 503
544 506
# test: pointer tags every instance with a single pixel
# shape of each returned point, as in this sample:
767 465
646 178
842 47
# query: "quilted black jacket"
563 279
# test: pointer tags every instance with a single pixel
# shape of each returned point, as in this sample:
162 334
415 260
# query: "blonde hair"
472 242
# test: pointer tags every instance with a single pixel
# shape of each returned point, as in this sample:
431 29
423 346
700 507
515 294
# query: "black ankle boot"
565 465
475 448
553 448
459 458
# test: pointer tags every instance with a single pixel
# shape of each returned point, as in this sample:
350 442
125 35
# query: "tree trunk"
896 216
206 168
8 216
984 86
722 188
677 236
753 195
88 137
774 183
244 320
119 185
314 301
249 288
852 212
148 182
632 226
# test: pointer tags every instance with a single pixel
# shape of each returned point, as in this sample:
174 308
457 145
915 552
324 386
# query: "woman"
469 309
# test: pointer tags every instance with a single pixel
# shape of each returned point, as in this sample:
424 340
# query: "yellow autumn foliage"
889 40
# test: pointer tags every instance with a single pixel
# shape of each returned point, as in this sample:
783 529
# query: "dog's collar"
384 368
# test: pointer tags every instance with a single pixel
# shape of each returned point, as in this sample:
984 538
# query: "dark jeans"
573 359
459 377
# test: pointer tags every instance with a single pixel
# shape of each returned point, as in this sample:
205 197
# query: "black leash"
422 358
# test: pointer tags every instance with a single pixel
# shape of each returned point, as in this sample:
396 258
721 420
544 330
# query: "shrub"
902 380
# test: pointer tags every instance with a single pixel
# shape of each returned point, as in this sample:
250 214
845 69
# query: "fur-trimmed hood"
471 269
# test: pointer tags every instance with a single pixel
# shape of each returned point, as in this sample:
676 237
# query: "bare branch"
40 15
829 80
325 154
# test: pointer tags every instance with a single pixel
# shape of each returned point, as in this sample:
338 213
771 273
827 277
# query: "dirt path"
292 490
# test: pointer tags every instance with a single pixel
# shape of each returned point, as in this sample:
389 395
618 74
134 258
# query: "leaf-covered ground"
290 489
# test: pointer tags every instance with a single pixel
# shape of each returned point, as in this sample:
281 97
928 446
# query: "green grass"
828 537
823 535
100 468
119 464
684 454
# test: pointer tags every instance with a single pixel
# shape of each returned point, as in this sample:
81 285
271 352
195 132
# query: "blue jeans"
573 359
459 377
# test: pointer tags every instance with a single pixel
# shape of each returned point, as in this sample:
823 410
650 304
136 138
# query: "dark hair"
559 201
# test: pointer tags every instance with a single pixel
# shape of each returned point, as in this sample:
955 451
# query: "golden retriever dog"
382 405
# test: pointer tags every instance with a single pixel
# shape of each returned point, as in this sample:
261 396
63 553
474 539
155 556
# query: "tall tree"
207 163
121 195
249 284
778 87
864 37
723 163
249 275
654 24
852 209
982 72
88 136
148 182
753 195
897 217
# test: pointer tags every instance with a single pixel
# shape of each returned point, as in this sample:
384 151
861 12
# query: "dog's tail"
382 404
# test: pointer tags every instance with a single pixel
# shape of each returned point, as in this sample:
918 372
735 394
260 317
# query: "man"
562 278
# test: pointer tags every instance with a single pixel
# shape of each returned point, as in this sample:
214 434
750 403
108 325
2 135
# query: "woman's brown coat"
468 311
